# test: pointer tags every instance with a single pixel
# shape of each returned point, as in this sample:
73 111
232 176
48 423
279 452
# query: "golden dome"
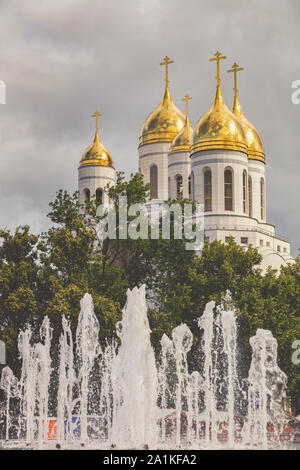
219 129
254 142
96 153
164 123
182 142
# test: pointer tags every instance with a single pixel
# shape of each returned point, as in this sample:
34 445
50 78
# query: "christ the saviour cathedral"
220 164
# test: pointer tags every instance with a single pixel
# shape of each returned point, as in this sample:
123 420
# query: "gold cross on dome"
235 68
166 62
96 115
218 57
186 98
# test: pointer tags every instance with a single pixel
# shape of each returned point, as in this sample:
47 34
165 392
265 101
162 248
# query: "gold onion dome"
219 128
182 142
96 153
166 121
254 143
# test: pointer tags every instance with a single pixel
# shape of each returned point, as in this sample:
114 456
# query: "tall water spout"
87 349
9 384
35 380
182 340
229 329
135 376
206 322
66 384
267 384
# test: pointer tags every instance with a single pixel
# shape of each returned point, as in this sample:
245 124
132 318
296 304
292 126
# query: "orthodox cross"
218 57
96 115
235 69
166 62
186 99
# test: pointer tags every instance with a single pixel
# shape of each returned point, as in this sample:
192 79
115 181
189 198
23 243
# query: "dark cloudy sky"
62 59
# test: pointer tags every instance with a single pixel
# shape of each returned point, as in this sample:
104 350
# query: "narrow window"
190 188
262 199
250 195
179 186
169 188
86 195
244 192
228 190
99 196
207 191
153 182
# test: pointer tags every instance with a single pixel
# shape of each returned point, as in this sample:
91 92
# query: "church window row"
228 192
208 194
87 195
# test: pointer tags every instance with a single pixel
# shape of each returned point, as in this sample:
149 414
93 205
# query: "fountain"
121 397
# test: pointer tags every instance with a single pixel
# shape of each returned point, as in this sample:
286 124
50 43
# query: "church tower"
255 196
228 178
219 160
95 171
179 165
159 130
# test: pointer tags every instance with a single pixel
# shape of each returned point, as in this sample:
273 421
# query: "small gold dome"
254 142
218 129
164 123
96 154
182 142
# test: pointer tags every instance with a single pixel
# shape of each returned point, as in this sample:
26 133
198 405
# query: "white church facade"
220 164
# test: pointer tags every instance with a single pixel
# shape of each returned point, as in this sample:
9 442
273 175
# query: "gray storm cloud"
62 60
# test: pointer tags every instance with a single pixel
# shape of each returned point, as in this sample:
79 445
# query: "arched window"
86 195
207 191
179 186
244 191
99 196
153 182
262 199
190 187
250 196
228 190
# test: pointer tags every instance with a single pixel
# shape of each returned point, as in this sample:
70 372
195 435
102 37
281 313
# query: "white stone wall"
255 237
257 171
179 163
95 177
155 154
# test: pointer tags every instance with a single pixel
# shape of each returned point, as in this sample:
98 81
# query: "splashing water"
119 396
